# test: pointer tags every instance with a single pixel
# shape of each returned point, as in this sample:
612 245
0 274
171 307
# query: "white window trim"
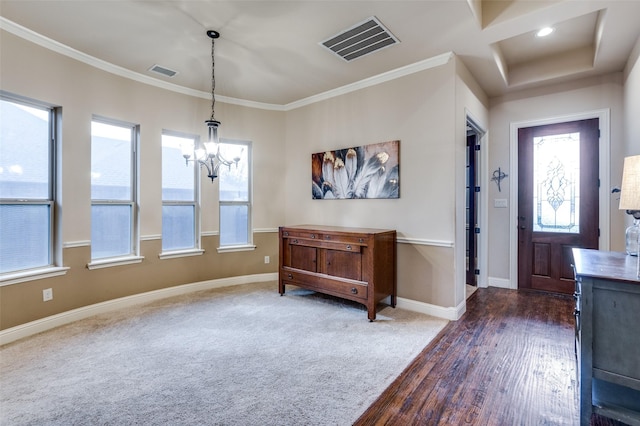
35 274
180 253
244 247
114 261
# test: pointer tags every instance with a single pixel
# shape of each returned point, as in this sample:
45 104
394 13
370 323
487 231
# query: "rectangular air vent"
361 39
163 70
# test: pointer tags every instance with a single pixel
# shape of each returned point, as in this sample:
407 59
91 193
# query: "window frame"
54 250
134 244
197 249
249 203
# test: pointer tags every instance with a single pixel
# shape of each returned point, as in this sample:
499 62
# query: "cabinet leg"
393 300
371 313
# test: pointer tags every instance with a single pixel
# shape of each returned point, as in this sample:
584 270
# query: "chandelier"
209 155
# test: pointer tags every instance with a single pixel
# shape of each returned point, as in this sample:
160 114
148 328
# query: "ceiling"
270 51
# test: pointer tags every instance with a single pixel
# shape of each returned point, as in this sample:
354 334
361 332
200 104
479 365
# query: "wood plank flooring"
508 361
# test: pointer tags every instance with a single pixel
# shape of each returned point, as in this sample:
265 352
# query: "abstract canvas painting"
369 171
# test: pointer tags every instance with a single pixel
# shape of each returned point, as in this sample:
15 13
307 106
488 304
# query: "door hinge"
598 232
476 272
598 183
476 230
477 189
476 147
598 133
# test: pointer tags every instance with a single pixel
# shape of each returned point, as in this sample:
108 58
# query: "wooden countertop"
610 265
326 228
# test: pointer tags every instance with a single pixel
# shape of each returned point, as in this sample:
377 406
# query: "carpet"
240 355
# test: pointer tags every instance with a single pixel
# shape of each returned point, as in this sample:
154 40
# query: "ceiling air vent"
163 70
361 39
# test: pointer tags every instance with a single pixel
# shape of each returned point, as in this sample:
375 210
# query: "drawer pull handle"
290 276
286 234
361 240
313 236
295 241
348 246
327 237
354 290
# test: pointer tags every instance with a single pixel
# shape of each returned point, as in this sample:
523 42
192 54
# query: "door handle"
523 227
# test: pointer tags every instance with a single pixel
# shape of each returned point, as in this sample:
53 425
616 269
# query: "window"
235 195
113 189
27 185
180 210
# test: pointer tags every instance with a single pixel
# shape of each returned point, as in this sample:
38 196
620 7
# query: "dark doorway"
557 201
472 202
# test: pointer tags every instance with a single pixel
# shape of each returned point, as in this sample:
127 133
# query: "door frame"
483 218
603 115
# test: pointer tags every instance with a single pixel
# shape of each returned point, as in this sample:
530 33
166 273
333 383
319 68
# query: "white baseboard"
38 326
499 282
433 310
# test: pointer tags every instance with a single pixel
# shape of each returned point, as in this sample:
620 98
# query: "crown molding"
39 39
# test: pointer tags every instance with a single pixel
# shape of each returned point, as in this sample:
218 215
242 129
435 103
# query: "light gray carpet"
240 355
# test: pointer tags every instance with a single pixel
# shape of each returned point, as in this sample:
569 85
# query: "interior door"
557 201
472 207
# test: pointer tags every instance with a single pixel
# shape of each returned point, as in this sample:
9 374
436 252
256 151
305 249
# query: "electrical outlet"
267 259
47 294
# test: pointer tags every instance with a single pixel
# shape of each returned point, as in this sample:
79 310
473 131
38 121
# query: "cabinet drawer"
311 235
347 239
331 245
350 289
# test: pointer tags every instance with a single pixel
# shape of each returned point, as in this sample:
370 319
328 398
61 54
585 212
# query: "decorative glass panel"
556 183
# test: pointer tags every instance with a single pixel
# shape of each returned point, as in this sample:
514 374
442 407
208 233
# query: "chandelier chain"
213 79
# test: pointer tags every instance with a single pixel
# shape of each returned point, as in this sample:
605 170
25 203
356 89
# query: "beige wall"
426 112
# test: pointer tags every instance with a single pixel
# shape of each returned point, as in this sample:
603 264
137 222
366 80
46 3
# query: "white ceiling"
270 52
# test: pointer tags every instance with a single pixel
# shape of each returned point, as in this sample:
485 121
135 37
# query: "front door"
557 201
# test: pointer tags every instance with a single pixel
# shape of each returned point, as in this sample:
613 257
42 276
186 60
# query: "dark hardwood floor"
508 361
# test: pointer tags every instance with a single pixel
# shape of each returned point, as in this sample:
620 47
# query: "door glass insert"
556 183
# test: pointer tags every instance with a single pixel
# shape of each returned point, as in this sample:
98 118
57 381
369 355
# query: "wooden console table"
608 335
358 264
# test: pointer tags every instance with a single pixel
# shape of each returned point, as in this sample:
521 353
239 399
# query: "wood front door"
557 201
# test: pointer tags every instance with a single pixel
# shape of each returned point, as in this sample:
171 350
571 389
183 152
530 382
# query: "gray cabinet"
608 335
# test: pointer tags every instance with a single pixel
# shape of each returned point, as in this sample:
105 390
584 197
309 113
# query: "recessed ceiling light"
544 32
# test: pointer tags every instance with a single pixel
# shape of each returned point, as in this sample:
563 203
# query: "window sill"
180 253
114 261
36 274
229 249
